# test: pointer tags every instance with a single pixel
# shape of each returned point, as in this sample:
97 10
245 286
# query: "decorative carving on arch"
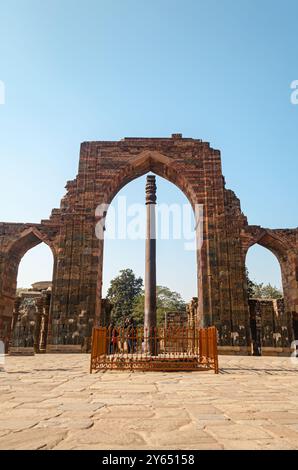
278 243
158 163
15 241
26 240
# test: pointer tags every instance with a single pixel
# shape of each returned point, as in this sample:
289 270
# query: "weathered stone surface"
188 435
201 414
67 423
130 412
32 439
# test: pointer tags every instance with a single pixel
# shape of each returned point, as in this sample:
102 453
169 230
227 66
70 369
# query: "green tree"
123 291
261 291
266 291
166 301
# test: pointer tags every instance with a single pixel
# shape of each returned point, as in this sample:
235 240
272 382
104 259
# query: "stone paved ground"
52 402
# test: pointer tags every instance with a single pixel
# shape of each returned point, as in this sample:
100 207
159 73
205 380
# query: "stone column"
15 314
150 267
45 322
37 326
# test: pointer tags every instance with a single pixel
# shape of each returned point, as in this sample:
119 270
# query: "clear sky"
101 70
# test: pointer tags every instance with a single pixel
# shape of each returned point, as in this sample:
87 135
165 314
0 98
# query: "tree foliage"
262 291
266 291
250 284
167 301
122 293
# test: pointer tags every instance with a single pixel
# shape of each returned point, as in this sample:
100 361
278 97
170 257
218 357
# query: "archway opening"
33 295
124 249
36 266
265 299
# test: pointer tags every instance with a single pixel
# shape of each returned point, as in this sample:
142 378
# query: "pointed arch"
266 238
21 243
27 239
158 163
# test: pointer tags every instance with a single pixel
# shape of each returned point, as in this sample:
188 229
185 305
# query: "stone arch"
27 239
18 242
129 178
195 168
269 252
280 243
273 242
168 168
13 252
158 163
268 239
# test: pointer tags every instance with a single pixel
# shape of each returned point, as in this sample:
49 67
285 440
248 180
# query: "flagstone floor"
52 402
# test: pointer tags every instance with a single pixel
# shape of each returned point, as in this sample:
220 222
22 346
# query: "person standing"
112 339
131 336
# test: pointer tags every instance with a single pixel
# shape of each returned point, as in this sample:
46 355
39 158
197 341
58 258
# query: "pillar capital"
150 189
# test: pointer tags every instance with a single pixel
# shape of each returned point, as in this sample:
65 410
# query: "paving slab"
51 401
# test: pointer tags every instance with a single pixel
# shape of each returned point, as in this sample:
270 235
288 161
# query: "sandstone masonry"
104 168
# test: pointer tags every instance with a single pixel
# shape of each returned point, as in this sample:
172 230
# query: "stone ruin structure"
269 328
104 168
192 313
30 320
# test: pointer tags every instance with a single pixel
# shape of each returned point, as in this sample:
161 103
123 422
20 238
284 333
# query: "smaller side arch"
16 241
252 235
280 243
27 239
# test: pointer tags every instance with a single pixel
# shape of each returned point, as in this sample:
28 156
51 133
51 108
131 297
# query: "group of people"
119 337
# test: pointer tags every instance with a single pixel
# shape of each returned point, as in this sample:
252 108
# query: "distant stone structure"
192 311
29 329
104 168
176 320
42 285
269 326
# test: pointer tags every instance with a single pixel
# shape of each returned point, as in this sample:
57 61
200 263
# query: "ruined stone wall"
15 240
104 168
273 323
283 243
29 328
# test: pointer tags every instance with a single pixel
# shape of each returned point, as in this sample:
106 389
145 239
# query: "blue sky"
101 70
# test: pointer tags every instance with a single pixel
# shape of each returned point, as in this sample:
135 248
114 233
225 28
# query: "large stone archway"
175 172
104 168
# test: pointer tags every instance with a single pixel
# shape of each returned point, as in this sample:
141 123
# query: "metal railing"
164 349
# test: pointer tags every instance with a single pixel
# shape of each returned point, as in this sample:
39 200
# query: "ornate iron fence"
164 349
